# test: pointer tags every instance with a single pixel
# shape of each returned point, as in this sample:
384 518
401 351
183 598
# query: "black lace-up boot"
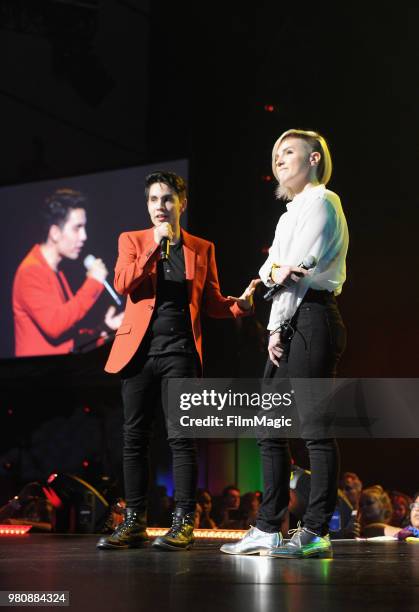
180 535
131 533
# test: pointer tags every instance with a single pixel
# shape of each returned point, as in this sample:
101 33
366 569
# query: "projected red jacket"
136 277
43 317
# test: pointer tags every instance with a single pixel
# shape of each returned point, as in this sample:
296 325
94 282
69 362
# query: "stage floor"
361 576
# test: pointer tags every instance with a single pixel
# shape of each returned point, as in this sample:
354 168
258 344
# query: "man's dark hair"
57 208
229 488
172 180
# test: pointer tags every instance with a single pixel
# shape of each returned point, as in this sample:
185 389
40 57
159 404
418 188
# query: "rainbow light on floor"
6 530
204 534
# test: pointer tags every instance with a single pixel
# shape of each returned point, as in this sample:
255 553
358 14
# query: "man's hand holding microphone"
163 235
95 268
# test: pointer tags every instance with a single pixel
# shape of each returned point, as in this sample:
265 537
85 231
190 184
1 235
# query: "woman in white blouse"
306 339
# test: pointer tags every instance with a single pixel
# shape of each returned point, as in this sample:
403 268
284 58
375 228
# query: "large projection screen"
115 203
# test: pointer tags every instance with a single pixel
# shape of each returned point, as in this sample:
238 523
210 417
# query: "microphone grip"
272 291
306 264
164 248
113 293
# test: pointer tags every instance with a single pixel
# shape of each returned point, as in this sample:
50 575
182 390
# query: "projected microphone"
307 264
164 248
88 262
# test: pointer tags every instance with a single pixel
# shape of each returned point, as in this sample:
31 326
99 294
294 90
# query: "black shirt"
170 329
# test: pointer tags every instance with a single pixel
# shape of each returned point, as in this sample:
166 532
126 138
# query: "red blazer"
136 277
43 316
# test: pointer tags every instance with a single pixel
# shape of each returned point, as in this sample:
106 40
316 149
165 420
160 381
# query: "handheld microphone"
308 263
88 262
164 248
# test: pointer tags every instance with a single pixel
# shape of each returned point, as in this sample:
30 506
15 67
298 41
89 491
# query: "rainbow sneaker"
303 544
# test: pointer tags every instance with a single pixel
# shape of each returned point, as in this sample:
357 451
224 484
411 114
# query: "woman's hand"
286 275
275 348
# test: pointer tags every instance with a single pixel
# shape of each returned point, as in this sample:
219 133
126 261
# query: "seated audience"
342 522
401 508
227 515
374 513
203 518
249 507
351 487
411 530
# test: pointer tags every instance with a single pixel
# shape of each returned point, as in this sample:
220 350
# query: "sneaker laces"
291 532
299 529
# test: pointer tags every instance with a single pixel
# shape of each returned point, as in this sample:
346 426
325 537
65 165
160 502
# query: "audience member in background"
115 516
374 513
228 513
203 519
401 508
351 487
259 495
341 524
411 530
249 506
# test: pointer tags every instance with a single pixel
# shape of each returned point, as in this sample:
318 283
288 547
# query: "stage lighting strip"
14 529
204 534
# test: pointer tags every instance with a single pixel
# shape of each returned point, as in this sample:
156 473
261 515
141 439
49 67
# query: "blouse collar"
316 191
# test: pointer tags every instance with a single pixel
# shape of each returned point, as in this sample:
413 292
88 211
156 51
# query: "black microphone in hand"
164 248
307 264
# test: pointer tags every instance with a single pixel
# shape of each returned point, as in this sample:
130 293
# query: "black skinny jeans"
143 392
313 352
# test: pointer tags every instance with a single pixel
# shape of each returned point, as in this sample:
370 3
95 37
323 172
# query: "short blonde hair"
317 143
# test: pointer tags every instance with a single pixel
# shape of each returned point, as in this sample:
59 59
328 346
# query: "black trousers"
313 352
144 391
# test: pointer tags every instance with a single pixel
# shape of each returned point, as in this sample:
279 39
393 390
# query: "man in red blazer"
45 310
160 338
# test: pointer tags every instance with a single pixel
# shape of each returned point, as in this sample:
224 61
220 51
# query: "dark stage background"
136 83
